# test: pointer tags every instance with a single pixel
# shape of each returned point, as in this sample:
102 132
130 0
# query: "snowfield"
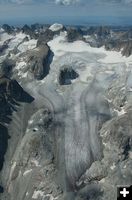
59 46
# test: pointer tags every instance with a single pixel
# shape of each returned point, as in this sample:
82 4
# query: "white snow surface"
86 60
28 45
38 194
27 172
16 40
56 27
121 112
59 46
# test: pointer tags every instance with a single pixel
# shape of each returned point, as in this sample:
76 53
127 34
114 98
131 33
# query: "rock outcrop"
74 34
45 37
39 60
67 75
8 29
29 31
10 94
6 67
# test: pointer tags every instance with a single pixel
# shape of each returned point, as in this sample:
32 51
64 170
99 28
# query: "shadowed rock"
3 144
10 93
29 31
45 37
1 189
39 61
6 67
74 34
66 76
8 29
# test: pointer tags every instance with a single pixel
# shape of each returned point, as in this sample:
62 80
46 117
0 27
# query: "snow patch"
30 121
20 65
102 180
27 172
56 27
27 194
113 166
37 194
28 45
119 113
18 38
35 163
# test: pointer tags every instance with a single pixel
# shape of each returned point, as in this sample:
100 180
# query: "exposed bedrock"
29 31
74 34
3 48
10 94
39 61
6 67
45 37
8 29
86 112
67 75
3 143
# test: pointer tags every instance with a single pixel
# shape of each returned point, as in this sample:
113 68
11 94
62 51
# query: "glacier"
64 145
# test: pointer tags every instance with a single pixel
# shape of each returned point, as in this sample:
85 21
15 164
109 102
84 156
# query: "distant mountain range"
113 38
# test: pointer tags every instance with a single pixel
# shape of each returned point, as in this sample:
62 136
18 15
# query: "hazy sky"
66 11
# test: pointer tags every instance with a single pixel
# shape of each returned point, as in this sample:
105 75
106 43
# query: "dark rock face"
10 93
17 93
66 76
1 189
3 48
3 144
127 50
6 67
39 61
121 134
45 37
26 29
8 28
118 45
111 39
36 26
74 34
102 31
29 31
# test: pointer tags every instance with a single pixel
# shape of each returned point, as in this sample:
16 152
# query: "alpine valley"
65 112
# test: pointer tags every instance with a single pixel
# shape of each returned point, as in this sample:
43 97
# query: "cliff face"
65 114
11 95
39 61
